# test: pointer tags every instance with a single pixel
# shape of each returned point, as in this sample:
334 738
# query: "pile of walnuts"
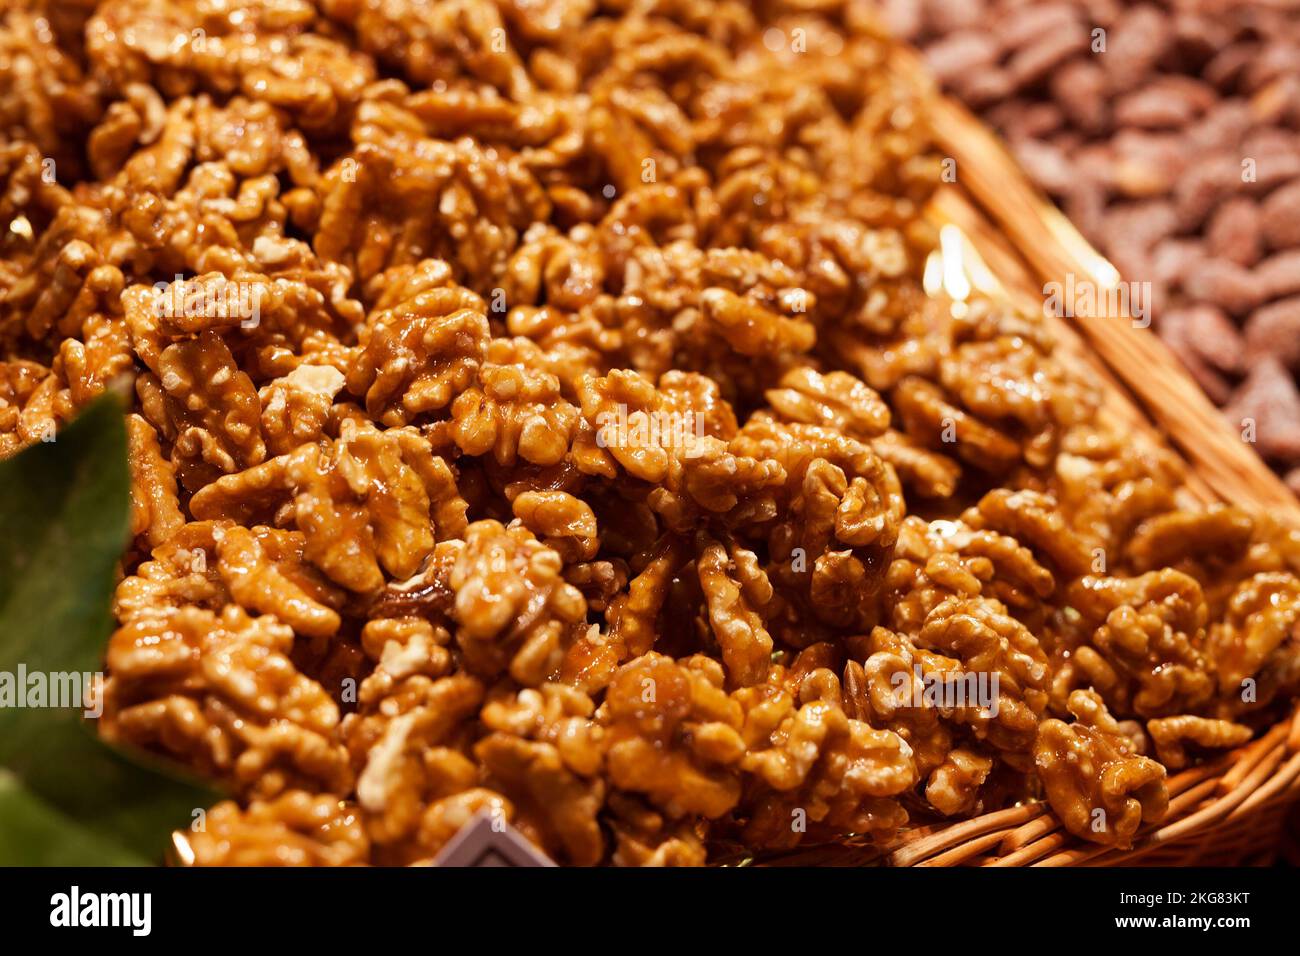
538 412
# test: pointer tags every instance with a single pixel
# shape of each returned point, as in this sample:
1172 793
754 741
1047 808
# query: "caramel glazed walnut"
537 412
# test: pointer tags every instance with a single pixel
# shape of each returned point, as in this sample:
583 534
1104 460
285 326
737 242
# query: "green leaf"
33 833
65 796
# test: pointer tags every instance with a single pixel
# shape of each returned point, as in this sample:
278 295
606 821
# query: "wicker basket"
1009 241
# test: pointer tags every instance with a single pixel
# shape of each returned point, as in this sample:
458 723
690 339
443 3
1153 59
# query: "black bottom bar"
967 910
